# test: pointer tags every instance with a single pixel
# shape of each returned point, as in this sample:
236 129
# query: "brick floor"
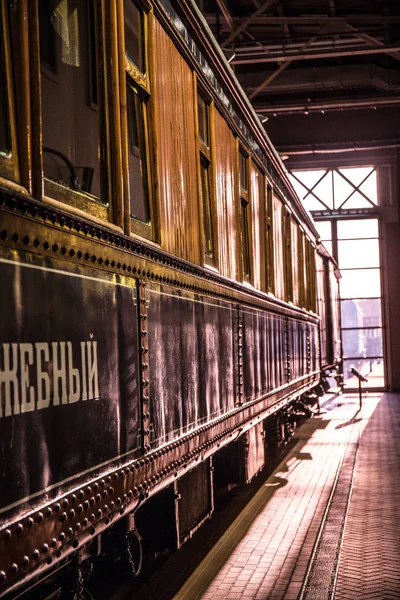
369 565
272 540
325 525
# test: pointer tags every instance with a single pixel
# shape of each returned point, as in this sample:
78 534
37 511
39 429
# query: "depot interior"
323 77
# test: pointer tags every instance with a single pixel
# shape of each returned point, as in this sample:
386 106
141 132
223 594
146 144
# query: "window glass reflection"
360 284
357 228
358 254
139 205
324 229
361 313
5 141
372 369
69 117
362 343
133 35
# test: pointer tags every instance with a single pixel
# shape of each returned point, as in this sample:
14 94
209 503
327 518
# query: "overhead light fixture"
229 54
263 118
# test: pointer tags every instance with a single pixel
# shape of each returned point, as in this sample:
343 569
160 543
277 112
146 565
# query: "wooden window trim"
99 208
9 163
206 154
270 240
130 74
245 228
287 254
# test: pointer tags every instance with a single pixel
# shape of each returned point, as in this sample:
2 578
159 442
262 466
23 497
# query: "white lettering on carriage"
36 376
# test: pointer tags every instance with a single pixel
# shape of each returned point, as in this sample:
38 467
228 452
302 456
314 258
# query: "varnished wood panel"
279 248
296 274
226 197
258 227
176 142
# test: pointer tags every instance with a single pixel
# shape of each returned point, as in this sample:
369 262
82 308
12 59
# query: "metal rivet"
61 537
72 514
25 561
63 516
30 522
65 502
53 543
79 508
36 554
98 497
112 504
2 576
7 534
57 507
49 512
86 504
96 486
88 490
20 528
78 526
92 501
85 522
80 494
45 548
92 517
99 513
70 531
73 498
14 568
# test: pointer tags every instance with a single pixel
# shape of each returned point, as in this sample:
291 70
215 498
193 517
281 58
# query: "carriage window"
134 35
138 100
139 205
244 213
70 120
203 118
5 141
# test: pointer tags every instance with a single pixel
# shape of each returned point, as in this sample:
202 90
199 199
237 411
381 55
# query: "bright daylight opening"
343 203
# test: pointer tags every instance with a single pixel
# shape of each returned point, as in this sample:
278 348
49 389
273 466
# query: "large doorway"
344 204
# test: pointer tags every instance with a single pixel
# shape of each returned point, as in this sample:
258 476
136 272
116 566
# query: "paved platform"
325 524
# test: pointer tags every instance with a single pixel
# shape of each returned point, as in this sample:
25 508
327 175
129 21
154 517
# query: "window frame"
9 163
130 75
245 220
103 208
269 220
206 161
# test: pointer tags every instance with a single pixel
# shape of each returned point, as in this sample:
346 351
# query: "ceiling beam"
227 15
370 40
264 6
315 54
312 20
315 106
282 67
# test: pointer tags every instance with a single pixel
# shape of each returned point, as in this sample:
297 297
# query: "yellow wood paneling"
257 202
176 142
226 197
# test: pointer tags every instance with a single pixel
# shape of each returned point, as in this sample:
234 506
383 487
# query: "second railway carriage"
158 293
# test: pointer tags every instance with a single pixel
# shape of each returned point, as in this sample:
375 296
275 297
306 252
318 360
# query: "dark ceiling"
321 71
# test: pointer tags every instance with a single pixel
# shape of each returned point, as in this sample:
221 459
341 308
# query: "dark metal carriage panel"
60 429
192 360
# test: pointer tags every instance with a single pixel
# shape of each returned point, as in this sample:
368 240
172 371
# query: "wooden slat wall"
176 141
226 197
258 227
279 248
295 262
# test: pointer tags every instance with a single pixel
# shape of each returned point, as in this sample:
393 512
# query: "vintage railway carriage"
158 278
